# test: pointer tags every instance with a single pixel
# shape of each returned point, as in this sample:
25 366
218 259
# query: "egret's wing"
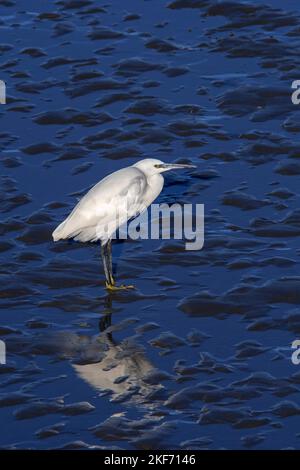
106 206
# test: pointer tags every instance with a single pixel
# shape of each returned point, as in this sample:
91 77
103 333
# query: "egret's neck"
155 185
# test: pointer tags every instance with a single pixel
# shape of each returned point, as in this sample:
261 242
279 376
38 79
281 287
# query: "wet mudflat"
198 356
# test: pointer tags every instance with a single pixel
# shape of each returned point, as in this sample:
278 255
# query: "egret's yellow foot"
114 288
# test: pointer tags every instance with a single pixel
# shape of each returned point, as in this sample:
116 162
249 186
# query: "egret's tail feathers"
60 232
87 235
66 230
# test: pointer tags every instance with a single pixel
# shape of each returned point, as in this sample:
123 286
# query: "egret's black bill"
174 166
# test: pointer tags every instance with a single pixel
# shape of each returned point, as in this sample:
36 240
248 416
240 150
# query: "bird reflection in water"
123 369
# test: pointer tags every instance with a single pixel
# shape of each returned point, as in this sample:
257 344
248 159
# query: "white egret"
117 198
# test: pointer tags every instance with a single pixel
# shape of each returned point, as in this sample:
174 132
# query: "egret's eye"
157 165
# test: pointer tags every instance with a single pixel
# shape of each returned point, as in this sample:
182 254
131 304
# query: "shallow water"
198 356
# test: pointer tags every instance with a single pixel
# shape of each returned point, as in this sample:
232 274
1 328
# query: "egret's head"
151 166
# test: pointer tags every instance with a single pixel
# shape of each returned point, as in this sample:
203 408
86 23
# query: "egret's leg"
107 262
110 266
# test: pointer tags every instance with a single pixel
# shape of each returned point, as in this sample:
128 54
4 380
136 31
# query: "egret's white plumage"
117 198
